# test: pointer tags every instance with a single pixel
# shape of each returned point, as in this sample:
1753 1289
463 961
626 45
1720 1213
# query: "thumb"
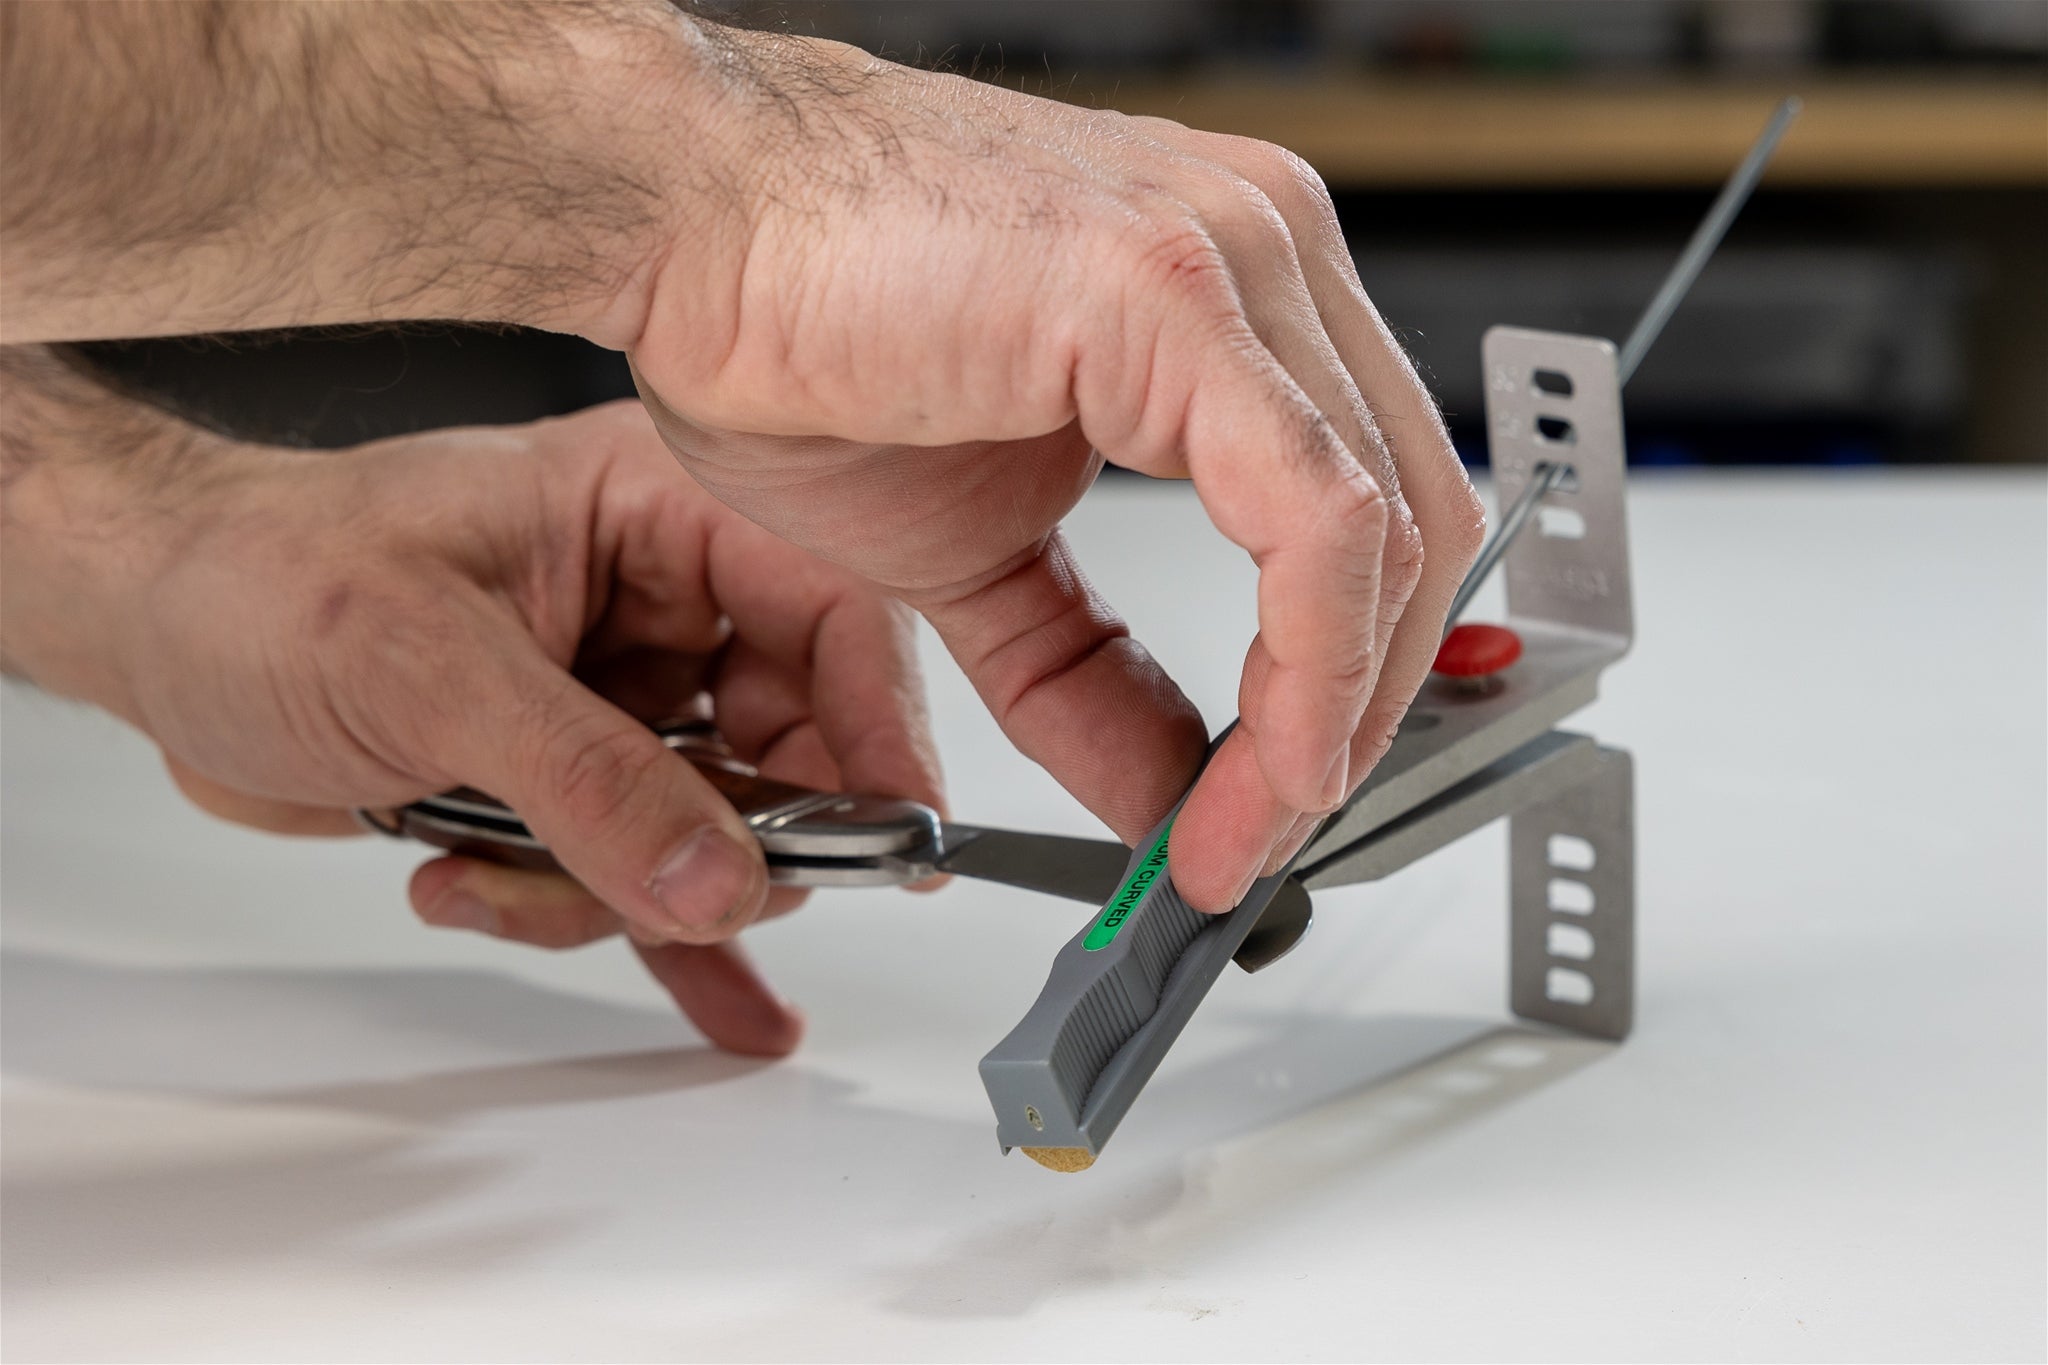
622 813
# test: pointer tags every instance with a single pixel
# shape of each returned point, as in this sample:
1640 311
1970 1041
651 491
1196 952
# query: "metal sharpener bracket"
1571 857
1462 759
1465 755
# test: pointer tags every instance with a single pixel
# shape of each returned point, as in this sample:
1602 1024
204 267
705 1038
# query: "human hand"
307 633
937 301
892 315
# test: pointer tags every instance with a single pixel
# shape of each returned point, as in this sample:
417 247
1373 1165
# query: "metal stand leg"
1572 895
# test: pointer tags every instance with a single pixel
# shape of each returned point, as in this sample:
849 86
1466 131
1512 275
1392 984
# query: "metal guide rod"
1547 477
1705 238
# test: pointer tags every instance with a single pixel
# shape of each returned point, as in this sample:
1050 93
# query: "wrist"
91 485
786 134
683 129
535 184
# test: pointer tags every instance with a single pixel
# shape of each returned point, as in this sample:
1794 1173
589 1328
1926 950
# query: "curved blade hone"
1089 870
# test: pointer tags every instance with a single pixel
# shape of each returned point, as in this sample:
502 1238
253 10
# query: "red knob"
1477 651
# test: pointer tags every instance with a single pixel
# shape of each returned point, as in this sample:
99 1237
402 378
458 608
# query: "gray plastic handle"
1119 994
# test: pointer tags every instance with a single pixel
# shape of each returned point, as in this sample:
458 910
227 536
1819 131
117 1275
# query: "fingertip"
459 909
777 1034
718 989
1304 741
431 882
1209 886
1228 829
1292 842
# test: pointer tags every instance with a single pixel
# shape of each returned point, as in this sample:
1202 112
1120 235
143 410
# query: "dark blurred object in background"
1461 35
344 386
1785 352
1883 299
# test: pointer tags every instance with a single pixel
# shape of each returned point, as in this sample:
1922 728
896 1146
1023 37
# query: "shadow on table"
1406 1091
188 1133
228 1032
226 1116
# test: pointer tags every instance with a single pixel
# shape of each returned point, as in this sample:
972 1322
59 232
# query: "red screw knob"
1477 651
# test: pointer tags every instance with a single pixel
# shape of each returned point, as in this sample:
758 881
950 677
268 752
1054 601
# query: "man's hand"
305 633
894 316
945 302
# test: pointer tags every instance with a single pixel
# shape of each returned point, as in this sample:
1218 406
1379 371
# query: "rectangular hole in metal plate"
1568 897
1570 940
1568 987
1569 850
1561 523
1556 383
1556 430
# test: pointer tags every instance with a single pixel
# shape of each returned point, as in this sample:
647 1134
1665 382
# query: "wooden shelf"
1368 130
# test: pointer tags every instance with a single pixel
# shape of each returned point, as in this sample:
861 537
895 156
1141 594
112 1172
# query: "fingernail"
1244 888
1289 845
463 910
706 884
1338 779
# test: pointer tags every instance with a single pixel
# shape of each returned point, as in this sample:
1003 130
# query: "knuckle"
1287 178
1178 255
1355 519
1357 503
1304 180
1401 566
594 769
1243 213
1283 178
1156 126
1354 677
1375 736
1464 527
1323 450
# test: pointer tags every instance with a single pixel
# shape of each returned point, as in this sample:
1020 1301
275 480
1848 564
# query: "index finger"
1426 465
1277 479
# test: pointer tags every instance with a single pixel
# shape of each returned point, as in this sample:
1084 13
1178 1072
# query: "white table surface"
253 1111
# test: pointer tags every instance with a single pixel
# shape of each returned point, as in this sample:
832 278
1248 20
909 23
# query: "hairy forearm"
184 166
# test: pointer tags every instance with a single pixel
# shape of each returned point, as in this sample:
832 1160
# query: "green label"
1150 868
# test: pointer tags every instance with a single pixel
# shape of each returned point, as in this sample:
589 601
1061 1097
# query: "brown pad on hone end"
1063 1159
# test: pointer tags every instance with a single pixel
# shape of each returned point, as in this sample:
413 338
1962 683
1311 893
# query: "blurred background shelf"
1868 132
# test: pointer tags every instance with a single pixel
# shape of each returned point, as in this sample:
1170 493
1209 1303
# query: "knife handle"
823 829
